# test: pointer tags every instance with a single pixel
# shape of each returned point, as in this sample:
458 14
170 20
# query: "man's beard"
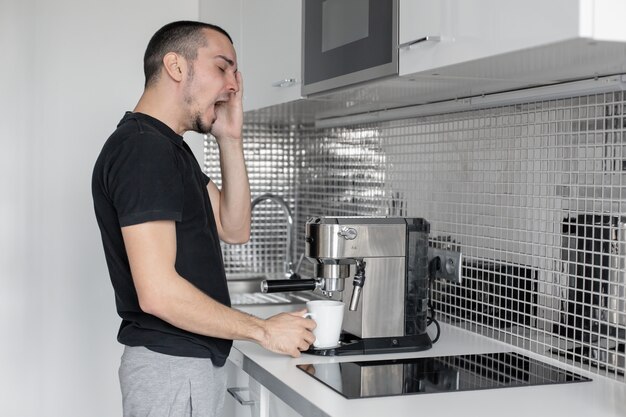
200 126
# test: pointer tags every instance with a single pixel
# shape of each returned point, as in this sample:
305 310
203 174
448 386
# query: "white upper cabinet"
268 39
448 49
531 36
459 49
272 41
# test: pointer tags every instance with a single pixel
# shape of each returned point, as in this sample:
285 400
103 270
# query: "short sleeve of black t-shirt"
146 172
145 181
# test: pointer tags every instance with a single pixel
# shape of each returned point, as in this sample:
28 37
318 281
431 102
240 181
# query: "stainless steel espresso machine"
387 298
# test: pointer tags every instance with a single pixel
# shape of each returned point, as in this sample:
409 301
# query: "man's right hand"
288 333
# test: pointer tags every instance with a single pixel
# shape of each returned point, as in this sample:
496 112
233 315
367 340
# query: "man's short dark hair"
183 37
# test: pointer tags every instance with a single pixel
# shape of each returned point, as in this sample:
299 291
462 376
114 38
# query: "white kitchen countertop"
602 397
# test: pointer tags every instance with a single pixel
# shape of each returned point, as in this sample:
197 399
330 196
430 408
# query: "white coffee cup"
328 315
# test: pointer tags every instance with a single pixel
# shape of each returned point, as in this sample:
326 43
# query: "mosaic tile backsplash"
533 194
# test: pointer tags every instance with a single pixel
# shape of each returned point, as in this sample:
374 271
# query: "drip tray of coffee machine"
352 345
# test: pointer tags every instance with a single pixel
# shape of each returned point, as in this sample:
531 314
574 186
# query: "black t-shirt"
146 172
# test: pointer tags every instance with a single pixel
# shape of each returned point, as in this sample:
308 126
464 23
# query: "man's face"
211 81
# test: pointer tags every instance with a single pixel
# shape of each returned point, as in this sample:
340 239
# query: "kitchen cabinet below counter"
246 397
303 395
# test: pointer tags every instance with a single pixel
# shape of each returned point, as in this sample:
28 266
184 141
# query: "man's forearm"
187 308
183 305
235 192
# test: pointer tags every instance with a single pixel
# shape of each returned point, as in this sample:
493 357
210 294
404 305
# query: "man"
161 220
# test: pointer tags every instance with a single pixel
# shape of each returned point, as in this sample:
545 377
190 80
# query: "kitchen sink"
245 283
245 289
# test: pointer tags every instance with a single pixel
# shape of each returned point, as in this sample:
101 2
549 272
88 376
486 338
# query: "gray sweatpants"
158 385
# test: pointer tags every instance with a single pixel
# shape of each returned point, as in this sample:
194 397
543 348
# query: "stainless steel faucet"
288 264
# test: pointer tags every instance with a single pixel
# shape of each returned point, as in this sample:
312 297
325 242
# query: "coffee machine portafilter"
387 258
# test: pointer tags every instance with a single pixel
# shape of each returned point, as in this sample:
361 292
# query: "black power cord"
433 266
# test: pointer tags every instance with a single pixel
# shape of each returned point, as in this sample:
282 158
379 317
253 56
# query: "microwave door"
347 42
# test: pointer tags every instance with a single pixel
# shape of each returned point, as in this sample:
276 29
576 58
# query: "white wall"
70 68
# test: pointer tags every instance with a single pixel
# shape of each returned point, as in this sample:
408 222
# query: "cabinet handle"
287 82
429 38
234 391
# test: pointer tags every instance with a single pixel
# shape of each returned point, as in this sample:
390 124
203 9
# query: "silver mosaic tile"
533 193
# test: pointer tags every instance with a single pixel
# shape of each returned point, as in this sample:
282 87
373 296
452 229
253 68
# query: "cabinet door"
272 44
420 19
438 33
278 408
242 397
246 397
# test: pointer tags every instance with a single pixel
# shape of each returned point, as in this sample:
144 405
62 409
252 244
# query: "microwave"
346 42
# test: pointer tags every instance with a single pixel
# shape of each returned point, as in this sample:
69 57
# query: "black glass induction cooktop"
437 374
